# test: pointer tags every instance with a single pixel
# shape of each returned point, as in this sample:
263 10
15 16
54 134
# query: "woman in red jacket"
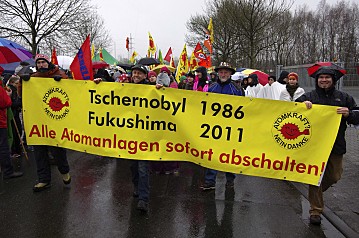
6 166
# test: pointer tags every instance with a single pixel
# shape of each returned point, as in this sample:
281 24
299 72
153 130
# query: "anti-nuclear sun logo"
291 130
56 103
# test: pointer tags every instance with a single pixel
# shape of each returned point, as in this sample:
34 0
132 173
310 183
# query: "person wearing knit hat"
123 78
166 70
45 69
42 62
183 81
325 93
152 76
292 90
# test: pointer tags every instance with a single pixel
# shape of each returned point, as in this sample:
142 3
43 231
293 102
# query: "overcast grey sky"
164 19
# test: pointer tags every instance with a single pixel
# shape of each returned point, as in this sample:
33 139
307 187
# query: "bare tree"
68 41
33 21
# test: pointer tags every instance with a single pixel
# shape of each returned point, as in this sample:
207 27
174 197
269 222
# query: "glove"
57 77
25 77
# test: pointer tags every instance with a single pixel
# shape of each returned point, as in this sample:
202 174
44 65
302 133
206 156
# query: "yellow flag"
100 54
210 30
151 44
182 67
92 51
208 41
134 54
193 64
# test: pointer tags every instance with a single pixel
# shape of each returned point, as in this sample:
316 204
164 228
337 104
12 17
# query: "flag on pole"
132 59
100 54
92 51
199 53
208 42
168 56
128 44
182 67
160 58
54 57
81 66
151 45
207 63
172 62
193 64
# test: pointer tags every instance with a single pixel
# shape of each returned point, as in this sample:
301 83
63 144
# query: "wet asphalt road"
99 203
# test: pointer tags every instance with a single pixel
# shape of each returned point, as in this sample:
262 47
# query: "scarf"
291 89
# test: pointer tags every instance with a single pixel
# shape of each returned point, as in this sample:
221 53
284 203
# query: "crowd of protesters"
221 81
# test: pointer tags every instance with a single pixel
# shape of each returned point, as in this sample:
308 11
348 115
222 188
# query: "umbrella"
11 52
262 77
148 61
99 64
125 66
10 68
64 61
158 68
312 70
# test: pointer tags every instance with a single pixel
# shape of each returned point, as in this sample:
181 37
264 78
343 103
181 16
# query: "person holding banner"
140 168
45 69
326 94
224 85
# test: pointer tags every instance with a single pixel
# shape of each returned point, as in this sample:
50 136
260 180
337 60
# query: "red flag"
199 53
81 66
54 57
206 63
128 44
168 55
207 43
172 62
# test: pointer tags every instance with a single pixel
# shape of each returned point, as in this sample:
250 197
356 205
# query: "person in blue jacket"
224 85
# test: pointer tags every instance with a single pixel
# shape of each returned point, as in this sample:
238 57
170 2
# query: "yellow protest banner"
250 136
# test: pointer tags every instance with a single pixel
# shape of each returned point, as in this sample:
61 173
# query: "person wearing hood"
173 83
201 81
253 86
244 83
224 85
326 94
272 89
45 69
283 77
292 90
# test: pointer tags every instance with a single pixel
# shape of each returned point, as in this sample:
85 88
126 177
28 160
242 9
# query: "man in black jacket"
326 94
